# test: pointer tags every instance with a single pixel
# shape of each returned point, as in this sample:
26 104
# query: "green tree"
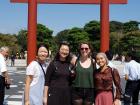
22 39
131 26
115 40
130 40
75 36
62 35
93 29
10 41
44 34
116 26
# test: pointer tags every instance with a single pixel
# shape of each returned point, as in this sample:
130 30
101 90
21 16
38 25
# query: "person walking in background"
35 77
57 82
104 77
13 57
83 87
132 76
4 77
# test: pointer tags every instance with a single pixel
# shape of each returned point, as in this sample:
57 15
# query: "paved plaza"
17 73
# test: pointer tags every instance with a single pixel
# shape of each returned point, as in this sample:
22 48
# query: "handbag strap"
42 69
113 84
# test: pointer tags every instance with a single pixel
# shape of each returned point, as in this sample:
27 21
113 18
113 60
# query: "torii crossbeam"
32 20
72 1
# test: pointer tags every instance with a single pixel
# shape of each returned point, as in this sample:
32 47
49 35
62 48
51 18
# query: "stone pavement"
18 63
14 95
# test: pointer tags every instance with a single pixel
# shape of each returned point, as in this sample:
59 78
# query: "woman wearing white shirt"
35 72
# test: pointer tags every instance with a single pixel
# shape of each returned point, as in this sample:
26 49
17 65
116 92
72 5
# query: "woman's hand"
27 102
45 95
117 102
45 101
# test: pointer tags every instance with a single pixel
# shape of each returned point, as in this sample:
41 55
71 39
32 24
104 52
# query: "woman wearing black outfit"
57 81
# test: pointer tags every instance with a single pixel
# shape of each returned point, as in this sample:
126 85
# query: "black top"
58 74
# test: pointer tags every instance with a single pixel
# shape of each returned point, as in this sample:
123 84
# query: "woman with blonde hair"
104 77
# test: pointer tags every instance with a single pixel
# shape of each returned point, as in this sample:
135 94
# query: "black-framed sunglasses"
84 49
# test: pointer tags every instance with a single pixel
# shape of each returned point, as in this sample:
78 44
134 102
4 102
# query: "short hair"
42 45
130 54
4 48
104 55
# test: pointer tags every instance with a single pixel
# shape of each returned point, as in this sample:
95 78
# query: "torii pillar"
32 28
32 20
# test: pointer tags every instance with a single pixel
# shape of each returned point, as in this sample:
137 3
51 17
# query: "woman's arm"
45 96
73 60
118 87
28 80
117 81
50 71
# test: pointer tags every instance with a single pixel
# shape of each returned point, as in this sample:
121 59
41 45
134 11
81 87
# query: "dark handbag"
73 72
5 84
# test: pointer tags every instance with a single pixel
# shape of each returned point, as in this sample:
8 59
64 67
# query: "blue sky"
13 16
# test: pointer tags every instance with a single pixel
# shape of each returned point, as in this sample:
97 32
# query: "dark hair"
109 54
68 58
130 54
64 43
42 45
89 45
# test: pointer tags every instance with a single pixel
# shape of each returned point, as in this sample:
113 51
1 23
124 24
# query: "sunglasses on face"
84 49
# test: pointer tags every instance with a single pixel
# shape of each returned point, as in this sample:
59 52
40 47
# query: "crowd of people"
75 80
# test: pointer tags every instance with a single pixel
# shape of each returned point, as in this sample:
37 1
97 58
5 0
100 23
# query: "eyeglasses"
84 49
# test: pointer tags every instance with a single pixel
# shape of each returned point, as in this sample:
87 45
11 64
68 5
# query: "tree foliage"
131 26
10 41
123 36
130 40
62 36
75 36
44 34
22 39
93 29
116 26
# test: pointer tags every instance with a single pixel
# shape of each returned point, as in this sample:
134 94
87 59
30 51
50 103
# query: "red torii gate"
32 20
